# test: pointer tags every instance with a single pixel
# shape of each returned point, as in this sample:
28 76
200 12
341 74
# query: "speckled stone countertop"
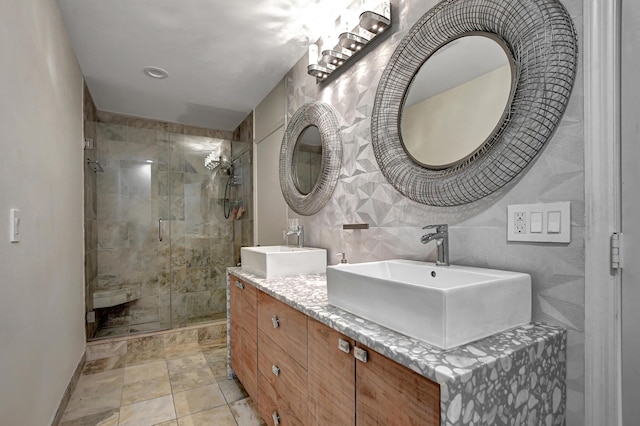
516 377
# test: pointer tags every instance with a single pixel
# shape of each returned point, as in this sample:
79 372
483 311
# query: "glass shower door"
201 239
132 293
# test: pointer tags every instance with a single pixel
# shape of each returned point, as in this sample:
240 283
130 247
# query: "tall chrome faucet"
441 236
299 231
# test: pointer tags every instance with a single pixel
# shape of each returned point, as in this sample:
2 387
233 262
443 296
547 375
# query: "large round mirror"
307 159
457 100
446 171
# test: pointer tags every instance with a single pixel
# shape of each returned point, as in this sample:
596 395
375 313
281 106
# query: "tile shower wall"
155 170
477 230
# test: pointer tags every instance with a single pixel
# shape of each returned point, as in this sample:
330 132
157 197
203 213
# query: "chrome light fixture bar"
374 18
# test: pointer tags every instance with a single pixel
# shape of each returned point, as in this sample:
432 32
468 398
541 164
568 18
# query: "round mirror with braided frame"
322 116
541 40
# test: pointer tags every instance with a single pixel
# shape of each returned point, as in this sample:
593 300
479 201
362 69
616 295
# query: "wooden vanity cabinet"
244 334
388 393
301 372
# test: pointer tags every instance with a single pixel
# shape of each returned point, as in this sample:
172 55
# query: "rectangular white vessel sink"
283 261
444 306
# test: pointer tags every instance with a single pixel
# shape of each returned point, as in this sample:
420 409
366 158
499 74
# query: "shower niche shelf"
108 298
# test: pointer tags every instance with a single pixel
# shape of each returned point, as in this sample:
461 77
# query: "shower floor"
169 378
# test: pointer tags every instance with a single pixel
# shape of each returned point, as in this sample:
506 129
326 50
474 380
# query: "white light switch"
554 219
536 222
14 225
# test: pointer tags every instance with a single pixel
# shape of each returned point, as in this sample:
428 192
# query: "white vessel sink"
283 261
445 306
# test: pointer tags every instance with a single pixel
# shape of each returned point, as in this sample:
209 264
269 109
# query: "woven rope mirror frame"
542 41
321 115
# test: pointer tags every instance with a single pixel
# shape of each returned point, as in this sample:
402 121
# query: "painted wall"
41 173
477 230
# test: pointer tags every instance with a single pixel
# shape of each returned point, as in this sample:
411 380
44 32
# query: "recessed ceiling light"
156 72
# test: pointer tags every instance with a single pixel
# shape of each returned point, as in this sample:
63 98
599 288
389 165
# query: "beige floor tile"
220 416
187 363
144 357
148 413
245 411
191 379
217 361
144 390
232 390
105 418
149 370
169 423
103 364
198 399
95 393
182 350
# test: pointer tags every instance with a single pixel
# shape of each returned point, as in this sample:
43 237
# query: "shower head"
214 162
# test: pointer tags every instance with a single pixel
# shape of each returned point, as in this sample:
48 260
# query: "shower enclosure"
166 227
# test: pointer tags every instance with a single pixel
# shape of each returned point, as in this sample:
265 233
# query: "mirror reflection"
457 100
307 159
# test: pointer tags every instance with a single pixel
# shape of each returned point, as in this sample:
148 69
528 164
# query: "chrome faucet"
441 236
299 231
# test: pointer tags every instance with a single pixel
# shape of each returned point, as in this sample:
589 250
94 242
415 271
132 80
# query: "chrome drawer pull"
360 354
240 285
275 370
344 346
276 418
275 321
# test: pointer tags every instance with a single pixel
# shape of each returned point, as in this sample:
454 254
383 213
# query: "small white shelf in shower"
108 298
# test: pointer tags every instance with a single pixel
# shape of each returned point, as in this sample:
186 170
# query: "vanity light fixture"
375 17
156 72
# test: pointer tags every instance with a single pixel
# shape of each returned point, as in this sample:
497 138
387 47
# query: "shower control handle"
160 229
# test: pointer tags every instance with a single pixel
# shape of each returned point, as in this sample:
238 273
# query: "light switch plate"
14 225
546 233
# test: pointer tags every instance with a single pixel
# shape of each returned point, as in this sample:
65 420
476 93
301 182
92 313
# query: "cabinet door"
331 377
235 315
388 393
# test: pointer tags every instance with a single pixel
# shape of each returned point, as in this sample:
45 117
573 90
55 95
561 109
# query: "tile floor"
172 379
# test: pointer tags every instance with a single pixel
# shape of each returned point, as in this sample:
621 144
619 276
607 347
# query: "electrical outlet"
520 223
539 223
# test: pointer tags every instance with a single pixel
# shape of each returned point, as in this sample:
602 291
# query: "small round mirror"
457 100
307 160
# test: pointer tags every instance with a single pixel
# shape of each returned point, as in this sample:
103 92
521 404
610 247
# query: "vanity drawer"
282 382
284 325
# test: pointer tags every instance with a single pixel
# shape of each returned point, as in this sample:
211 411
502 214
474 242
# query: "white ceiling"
223 56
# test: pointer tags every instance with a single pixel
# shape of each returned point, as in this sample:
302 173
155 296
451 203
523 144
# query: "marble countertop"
488 381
